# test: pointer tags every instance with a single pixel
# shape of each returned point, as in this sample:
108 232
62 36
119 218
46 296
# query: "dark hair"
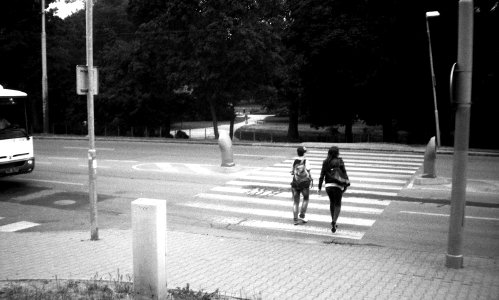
333 153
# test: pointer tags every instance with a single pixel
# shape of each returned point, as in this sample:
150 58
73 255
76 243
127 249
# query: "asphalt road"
55 195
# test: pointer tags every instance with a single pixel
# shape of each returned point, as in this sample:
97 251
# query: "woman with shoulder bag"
335 175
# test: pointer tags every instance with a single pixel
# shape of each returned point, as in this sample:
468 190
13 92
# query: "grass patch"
120 287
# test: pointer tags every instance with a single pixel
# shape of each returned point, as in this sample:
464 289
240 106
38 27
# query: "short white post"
225 144
149 248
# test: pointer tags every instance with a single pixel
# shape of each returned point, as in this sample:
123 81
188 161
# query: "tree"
224 50
20 56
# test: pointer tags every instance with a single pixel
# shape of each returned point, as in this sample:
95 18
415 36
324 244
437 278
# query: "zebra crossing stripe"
287 186
377 162
283 173
394 169
282 185
321 231
266 201
353 179
263 193
376 154
279 214
287 169
363 158
17 226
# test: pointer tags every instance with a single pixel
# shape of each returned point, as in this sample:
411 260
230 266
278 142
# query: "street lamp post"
45 106
432 14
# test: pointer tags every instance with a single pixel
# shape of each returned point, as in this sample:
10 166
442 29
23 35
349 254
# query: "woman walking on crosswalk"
335 175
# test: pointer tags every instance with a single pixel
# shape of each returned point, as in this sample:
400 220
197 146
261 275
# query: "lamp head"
431 14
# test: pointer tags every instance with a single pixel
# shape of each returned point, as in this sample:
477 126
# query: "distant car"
181 135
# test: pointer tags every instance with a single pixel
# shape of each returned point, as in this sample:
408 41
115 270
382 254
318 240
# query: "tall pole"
92 155
433 80
454 257
45 106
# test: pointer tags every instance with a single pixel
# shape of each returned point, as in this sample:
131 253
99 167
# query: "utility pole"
92 155
454 257
45 105
432 14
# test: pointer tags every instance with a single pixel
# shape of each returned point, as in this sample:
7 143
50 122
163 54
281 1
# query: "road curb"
375 147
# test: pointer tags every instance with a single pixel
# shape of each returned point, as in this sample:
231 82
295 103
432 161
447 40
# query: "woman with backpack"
302 178
335 175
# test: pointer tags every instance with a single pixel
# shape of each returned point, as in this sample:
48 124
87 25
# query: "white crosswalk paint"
17 226
364 154
307 229
284 173
394 169
251 199
282 185
268 202
287 169
279 214
353 179
313 197
384 162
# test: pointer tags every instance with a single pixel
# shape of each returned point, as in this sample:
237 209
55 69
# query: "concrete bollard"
149 248
225 144
430 157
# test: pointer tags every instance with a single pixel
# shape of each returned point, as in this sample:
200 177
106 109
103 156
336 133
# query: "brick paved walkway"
253 269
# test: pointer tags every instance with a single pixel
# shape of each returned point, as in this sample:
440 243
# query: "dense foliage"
321 61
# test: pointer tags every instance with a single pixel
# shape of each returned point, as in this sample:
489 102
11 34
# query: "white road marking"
198 169
281 185
43 162
376 154
269 202
445 215
276 172
376 162
352 179
86 148
17 226
361 167
239 190
50 181
256 155
120 161
98 167
279 214
307 229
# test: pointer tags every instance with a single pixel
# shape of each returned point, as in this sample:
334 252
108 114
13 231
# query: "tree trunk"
388 135
232 118
231 129
214 117
293 134
349 132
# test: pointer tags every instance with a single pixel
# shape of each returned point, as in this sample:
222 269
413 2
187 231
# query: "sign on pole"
82 80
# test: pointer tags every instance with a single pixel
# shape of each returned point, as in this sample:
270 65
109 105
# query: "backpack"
301 177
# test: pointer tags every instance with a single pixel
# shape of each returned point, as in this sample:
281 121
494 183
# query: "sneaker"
304 220
297 222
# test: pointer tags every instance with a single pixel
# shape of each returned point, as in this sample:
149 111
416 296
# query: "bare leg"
296 203
304 205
